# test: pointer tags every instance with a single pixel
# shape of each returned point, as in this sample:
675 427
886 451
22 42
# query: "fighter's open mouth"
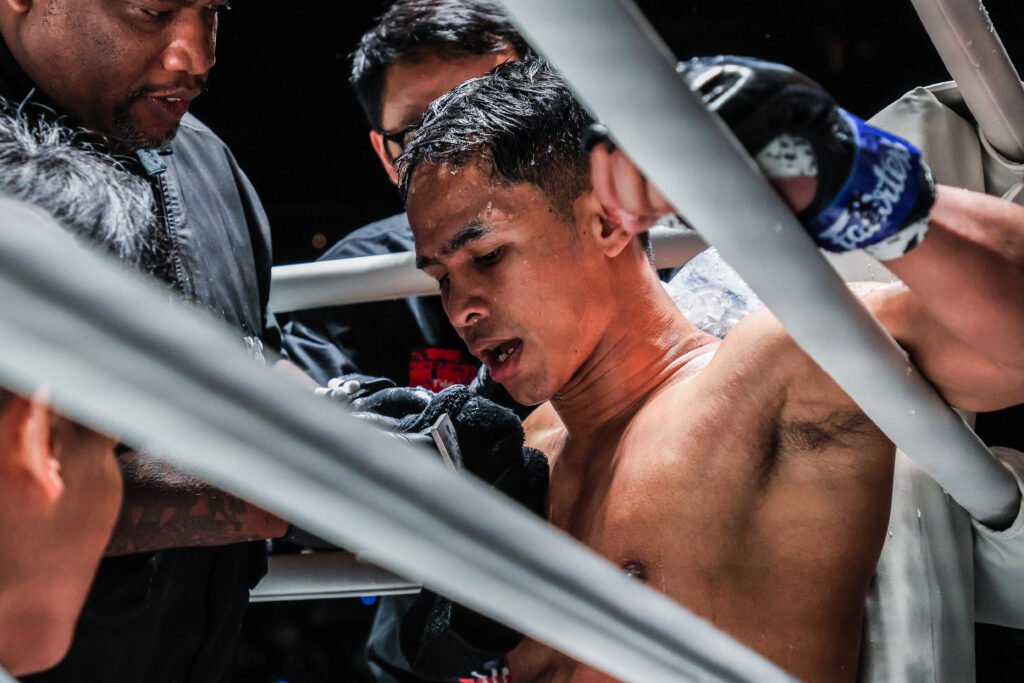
500 353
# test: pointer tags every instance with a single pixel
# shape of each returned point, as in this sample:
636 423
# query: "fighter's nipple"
635 570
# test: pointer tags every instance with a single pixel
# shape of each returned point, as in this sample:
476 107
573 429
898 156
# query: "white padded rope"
969 46
394 276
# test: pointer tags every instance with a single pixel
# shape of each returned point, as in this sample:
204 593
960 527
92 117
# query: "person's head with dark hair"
127 70
533 269
521 121
420 49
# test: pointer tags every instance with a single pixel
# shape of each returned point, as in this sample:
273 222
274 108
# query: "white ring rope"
969 46
115 355
394 276
325 575
626 75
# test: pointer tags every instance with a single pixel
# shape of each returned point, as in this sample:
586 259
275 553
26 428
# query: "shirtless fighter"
733 475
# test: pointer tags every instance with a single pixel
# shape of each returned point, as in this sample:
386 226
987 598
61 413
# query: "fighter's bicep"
964 377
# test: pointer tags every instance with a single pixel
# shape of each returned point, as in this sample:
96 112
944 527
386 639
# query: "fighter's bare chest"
636 512
650 500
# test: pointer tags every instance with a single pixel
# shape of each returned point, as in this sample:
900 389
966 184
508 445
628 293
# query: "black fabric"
376 338
491 440
439 640
176 615
483 385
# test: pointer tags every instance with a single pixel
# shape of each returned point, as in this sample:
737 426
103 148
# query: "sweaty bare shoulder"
800 408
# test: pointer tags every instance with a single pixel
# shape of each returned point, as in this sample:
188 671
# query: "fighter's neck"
649 347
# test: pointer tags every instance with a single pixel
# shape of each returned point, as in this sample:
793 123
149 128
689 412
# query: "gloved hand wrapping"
380 402
441 639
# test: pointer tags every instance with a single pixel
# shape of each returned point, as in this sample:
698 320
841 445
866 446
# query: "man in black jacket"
128 71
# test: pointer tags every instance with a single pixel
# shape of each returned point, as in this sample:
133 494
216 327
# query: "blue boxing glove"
874 190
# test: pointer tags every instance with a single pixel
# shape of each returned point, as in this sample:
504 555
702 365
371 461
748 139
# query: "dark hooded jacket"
176 615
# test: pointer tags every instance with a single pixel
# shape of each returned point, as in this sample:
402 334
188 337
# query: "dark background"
279 97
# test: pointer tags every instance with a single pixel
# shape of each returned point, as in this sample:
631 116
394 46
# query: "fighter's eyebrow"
473 231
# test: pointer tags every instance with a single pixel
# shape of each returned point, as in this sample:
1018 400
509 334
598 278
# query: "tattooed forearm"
166 508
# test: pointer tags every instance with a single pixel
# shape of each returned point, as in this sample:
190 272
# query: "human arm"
969 272
166 508
798 134
961 313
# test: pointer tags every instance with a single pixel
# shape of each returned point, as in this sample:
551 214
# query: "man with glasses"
417 51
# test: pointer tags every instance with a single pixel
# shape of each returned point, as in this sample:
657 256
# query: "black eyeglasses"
397 138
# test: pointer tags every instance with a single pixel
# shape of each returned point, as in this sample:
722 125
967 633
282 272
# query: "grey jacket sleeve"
999 560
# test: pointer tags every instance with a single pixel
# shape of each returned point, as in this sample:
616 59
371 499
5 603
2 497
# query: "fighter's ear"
31 461
612 234
379 146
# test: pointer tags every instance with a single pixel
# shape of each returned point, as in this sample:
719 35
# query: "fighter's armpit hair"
802 438
44 163
842 430
521 119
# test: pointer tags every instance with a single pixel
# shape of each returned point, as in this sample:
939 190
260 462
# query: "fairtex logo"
869 213
891 173
495 676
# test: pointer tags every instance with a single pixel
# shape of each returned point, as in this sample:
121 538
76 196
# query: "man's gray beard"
129 138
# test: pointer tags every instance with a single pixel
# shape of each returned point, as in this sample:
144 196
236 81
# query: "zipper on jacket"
156 170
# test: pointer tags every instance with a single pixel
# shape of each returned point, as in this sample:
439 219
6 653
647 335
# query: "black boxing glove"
441 639
874 190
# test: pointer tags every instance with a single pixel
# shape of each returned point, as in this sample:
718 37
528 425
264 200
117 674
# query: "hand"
441 639
624 190
873 191
353 385
380 402
853 185
638 205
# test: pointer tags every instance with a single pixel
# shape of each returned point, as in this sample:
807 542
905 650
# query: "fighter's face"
410 87
126 68
516 277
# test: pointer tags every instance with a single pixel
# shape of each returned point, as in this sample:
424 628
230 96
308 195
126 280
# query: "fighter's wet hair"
520 119
411 30
83 189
